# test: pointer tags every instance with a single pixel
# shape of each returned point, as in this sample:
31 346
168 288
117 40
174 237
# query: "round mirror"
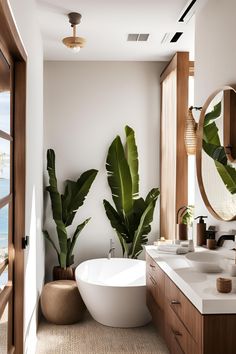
216 154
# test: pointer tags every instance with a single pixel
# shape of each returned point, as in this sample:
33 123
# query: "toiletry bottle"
201 230
211 238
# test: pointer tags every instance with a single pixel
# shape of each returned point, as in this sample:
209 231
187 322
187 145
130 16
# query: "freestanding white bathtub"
114 291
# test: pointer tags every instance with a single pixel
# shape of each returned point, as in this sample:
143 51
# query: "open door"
12 183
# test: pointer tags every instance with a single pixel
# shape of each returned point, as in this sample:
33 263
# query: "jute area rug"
90 337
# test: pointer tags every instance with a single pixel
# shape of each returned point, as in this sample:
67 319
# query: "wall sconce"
74 43
190 136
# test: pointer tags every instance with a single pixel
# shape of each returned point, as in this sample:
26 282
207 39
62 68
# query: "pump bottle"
201 230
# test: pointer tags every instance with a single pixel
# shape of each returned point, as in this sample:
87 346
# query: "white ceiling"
105 25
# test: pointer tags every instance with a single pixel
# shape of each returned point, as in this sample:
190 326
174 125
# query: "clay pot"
224 285
182 232
63 273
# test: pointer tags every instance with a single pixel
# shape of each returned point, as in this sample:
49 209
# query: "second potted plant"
64 208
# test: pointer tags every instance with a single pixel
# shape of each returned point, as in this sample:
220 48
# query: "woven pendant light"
190 136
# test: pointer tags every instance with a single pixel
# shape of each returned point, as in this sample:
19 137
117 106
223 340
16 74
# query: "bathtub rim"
112 286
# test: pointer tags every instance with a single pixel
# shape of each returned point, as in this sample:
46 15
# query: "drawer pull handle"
175 302
176 333
152 266
152 280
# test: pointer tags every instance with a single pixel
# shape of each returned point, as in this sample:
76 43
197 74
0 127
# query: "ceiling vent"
188 11
137 37
171 37
176 37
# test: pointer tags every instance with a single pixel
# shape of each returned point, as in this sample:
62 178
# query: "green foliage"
187 216
64 208
212 146
228 175
132 215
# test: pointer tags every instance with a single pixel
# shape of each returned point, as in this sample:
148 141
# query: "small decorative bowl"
223 285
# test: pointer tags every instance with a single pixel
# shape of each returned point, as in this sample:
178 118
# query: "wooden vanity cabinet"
155 280
184 328
183 322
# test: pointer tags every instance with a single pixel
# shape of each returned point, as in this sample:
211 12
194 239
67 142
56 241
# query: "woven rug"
3 337
89 337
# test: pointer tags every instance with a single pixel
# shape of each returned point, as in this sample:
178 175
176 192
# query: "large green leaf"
66 198
52 188
56 207
213 115
75 194
228 176
152 195
210 134
51 159
132 159
71 244
62 238
48 237
138 209
119 178
124 245
215 152
144 227
116 220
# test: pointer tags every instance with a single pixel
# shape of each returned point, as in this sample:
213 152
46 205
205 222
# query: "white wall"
26 20
215 65
86 104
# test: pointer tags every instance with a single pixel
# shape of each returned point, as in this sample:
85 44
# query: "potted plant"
184 221
64 208
132 215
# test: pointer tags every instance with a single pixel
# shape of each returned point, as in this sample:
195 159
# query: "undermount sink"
206 262
177 262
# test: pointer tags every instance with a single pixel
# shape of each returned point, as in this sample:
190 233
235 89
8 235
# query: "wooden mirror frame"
199 153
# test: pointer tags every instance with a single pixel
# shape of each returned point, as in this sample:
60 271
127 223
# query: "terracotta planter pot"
182 233
63 273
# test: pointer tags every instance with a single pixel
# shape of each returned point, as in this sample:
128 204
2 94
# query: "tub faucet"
111 250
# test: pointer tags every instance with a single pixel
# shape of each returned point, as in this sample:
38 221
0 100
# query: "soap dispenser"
201 230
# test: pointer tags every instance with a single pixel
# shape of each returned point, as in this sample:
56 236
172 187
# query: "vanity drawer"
178 339
155 281
184 309
157 313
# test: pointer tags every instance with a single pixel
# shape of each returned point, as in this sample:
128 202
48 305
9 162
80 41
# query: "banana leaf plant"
64 208
131 215
212 146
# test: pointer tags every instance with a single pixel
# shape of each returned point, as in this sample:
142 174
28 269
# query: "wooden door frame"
184 68
13 49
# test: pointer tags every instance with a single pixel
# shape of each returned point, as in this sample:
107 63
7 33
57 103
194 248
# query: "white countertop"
199 288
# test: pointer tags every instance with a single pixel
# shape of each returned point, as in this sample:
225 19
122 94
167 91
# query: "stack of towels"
172 249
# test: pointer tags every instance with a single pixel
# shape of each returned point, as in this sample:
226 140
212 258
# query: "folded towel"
174 249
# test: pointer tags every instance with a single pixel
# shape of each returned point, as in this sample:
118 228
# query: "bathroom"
77 105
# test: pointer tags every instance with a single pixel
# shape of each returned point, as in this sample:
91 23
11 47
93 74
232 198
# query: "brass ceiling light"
74 43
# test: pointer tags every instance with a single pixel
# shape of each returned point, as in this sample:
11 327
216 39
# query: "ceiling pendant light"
74 43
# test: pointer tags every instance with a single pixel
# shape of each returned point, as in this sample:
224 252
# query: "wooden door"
6 204
12 182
